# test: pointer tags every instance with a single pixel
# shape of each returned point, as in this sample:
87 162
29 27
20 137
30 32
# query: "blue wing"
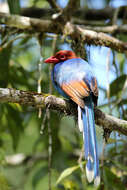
74 70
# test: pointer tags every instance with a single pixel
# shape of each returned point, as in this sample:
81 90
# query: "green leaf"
39 175
122 65
70 185
14 6
14 123
5 55
120 166
111 181
116 86
4 183
66 173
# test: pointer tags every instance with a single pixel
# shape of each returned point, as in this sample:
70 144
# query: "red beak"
51 59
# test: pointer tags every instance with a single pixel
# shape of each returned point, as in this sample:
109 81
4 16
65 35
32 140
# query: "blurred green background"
24 151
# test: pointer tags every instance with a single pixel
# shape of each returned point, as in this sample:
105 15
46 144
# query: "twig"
40 39
114 22
115 16
72 5
49 118
80 159
6 44
103 153
103 157
44 121
54 5
108 83
39 83
49 149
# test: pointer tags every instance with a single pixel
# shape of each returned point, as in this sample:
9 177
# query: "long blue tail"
90 142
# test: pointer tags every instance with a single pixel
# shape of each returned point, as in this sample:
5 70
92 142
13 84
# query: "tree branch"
109 29
84 13
61 105
25 23
95 38
38 25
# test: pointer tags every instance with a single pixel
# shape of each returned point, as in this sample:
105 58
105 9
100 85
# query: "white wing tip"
97 181
89 175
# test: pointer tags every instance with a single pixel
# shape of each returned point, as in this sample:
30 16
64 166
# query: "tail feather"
80 121
89 169
90 143
97 180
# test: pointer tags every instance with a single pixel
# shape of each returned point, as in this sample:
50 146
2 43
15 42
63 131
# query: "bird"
73 78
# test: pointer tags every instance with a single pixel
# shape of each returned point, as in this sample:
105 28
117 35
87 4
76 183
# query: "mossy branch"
63 106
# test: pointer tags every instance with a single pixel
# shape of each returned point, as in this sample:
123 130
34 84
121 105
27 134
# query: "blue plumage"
73 78
72 69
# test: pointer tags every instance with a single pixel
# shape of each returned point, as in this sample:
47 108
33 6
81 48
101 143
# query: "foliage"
20 126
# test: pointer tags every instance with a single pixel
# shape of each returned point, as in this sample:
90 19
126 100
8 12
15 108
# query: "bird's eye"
62 57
